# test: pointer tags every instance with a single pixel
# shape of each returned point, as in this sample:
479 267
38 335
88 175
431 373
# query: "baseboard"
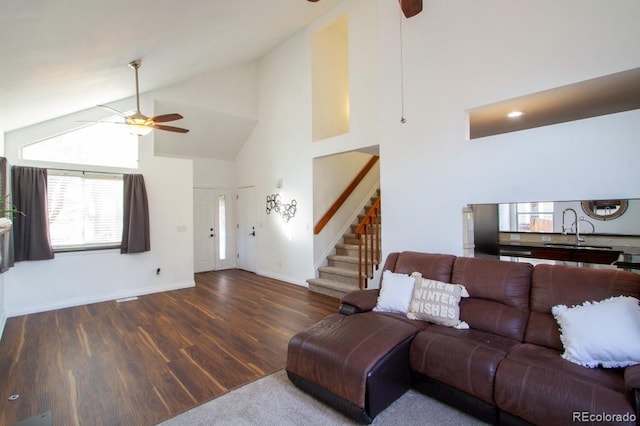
97 299
3 322
284 278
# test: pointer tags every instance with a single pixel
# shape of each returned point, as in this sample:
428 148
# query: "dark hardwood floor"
142 361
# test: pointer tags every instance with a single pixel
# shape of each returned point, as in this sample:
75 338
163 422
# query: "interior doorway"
246 227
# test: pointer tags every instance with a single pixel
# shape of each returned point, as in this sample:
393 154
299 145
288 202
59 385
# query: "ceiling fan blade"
166 117
410 7
169 128
121 114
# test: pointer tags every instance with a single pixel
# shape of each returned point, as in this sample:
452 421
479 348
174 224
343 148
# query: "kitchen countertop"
566 246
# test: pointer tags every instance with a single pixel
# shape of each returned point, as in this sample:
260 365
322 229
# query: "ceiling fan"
139 123
409 7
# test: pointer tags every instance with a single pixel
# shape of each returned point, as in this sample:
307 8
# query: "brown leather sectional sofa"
506 368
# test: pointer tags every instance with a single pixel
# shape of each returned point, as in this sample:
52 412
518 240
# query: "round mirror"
605 209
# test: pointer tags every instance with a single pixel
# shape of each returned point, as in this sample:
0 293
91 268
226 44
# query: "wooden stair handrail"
373 212
345 194
366 266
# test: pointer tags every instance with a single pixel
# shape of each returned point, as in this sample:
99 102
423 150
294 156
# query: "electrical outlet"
514 237
546 238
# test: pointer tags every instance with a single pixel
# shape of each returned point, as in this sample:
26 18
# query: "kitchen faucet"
566 229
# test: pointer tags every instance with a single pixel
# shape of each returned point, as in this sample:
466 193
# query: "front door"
212 229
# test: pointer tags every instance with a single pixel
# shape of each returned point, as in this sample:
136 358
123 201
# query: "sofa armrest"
632 376
359 301
632 381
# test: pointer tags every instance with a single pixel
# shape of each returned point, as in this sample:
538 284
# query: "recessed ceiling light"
514 114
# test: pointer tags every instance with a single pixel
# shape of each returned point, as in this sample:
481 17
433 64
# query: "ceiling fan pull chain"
403 120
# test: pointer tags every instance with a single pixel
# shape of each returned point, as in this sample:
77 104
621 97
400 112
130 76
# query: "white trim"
97 299
283 278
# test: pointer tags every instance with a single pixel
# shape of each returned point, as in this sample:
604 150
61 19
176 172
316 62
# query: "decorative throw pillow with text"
437 302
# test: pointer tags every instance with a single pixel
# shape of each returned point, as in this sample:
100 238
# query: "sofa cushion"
338 352
553 285
536 384
499 291
361 300
605 333
464 359
632 377
432 266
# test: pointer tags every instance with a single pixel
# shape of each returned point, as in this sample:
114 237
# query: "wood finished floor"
142 361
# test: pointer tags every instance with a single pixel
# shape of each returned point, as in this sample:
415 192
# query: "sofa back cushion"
432 266
569 285
499 295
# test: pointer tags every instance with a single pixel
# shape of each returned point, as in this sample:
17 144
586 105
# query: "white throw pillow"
603 333
395 292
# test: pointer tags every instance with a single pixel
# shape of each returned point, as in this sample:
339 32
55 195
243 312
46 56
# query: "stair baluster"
369 227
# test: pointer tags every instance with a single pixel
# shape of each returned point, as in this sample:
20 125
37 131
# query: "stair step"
377 219
345 262
347 250
331 288
344 259
351 239
355 225
339 274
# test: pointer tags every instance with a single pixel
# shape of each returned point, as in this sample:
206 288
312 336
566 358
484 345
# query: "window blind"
85 209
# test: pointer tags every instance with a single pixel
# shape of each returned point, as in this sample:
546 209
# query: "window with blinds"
85 210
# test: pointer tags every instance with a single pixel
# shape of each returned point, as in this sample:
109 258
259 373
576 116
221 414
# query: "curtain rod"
83 171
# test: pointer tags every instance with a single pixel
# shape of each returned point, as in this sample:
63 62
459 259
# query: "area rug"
273 400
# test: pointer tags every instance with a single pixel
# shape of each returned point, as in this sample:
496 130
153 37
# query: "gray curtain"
31 230
135 224
6 238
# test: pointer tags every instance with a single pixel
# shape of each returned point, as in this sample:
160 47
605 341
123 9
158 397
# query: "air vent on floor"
127 299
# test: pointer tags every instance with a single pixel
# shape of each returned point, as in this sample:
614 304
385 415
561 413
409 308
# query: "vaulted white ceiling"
62 56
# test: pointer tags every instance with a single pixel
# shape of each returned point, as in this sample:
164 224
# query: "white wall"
363 67
279 148
459 55
85 277
280 145
231 91
212 173
331 175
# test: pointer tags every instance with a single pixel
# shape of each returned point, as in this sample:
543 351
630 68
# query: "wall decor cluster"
286 211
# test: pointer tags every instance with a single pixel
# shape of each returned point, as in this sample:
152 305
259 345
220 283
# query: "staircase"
341 275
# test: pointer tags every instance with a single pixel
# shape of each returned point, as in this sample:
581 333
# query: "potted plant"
6 211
